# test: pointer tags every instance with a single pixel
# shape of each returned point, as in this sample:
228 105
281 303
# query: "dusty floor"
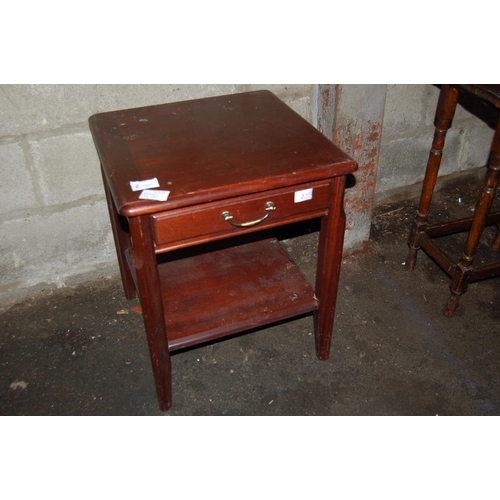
82 350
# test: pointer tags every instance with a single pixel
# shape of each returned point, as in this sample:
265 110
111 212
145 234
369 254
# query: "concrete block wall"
407 137
54 225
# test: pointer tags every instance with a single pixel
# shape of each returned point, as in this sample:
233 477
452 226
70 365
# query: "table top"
210 149
489 93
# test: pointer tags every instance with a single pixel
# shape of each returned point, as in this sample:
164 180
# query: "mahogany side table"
423 235
202 261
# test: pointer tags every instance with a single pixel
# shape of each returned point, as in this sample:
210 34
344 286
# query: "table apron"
194 225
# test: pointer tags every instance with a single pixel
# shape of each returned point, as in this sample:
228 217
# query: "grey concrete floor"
82 350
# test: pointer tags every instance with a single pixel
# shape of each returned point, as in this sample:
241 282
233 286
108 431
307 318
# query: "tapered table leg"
331 243
148 283
122 243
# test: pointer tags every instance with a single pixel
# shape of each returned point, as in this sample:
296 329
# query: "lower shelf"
229 290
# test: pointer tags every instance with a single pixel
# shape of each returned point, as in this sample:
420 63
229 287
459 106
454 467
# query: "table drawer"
239 215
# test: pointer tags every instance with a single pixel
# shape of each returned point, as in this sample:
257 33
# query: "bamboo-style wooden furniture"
203 262
422 234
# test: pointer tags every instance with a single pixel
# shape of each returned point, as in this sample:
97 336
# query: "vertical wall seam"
32 172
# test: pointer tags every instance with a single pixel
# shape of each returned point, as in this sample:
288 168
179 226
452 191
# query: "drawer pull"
228 217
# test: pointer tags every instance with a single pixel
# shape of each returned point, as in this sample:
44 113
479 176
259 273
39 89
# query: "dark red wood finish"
422 234
208 149
121 235
245 286
198 277
179 228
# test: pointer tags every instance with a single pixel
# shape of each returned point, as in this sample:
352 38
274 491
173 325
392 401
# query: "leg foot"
452 303
496 243
411 260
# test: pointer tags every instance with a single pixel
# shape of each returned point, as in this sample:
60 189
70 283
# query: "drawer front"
220 219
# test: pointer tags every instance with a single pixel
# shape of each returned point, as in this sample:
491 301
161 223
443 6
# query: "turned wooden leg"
148 283
496 244
445 111
463 270
331 243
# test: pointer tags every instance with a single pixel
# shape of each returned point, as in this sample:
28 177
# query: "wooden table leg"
122 244
331 243
148 283
445 111
463 270
496 244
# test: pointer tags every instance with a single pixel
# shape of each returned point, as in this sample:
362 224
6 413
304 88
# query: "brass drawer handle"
228 217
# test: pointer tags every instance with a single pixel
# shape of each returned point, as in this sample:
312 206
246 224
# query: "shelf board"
231 289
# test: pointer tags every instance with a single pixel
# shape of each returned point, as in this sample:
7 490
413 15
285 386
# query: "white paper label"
304 195
147 184
156 194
